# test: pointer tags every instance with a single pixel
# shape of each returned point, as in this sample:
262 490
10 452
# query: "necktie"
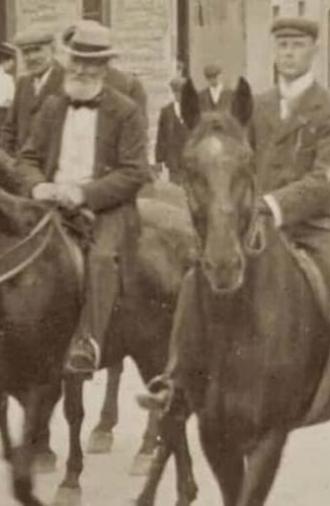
90 104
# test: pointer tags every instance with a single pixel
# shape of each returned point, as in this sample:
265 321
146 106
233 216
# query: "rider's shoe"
84 357
159 395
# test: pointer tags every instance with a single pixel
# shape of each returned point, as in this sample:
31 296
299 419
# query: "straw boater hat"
295 27
88 39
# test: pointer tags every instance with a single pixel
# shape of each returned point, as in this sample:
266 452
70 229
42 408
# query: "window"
99 10
276 11
301 8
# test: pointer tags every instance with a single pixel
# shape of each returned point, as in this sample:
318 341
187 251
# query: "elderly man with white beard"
88 150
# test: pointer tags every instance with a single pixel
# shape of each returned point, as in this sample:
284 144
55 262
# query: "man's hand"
68 196
45 191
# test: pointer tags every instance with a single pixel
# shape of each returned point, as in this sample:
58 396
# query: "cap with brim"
295 27
212 70
33 38
177 83
7 50
88 39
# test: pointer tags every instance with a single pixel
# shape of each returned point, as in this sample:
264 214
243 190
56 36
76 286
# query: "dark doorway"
3 20
183 32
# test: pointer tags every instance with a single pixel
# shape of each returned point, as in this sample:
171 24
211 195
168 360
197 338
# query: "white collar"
293 89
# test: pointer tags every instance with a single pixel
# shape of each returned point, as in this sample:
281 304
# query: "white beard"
78 89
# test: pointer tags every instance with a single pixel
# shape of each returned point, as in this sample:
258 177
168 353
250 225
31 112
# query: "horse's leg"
173 440
5 435
225 461
147 496
69 491
22 457
144 457
45 457
101 438
262 465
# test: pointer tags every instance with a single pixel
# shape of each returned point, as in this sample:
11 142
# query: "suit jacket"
120 167
206 103
129 85
293 165
26 104
293 156
172 134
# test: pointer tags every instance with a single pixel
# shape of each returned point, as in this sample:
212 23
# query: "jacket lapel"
56 140
300 116
106 112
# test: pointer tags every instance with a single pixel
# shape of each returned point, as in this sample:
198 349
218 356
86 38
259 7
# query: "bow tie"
90 104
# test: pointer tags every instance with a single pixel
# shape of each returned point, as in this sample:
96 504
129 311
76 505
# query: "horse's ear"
190 110
242 102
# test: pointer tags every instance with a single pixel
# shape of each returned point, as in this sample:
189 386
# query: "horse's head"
220 190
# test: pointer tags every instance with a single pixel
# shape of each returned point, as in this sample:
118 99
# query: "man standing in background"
7 82
44 77
216 97
172 133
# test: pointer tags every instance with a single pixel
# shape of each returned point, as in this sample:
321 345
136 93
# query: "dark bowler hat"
33 37
88 39
295 27
7 51
212 70
177 83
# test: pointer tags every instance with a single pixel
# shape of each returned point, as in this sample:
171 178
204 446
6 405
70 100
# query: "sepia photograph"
164 252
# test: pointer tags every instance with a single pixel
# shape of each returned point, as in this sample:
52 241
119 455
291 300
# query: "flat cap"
33 37
177 83
212 70
7 50
295 27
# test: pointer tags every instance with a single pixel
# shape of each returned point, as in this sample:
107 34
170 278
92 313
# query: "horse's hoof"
45 462
66 496
142 464
100 442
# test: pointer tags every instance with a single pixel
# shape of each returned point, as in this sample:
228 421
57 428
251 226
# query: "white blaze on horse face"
223 261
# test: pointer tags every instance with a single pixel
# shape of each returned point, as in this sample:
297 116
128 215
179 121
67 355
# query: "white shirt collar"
292 90
216 92
39 82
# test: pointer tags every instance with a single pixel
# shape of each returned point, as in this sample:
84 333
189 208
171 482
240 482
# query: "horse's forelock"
227 129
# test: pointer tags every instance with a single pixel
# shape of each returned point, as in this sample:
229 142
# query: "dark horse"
39 307
140 328
253 343
40 298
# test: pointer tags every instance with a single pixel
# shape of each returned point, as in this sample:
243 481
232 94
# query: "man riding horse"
88 149
291 138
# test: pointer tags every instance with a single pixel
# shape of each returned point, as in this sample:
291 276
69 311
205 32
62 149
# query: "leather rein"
50 223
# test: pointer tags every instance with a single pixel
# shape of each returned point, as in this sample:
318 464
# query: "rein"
43 223
255 239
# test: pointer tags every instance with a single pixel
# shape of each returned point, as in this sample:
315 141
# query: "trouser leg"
101 293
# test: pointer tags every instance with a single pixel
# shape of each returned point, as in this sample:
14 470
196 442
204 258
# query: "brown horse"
253 343
39 307
40 300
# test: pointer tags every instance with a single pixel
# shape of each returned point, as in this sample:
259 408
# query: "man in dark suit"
291 137
44 77
172 133
216 97
89 149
